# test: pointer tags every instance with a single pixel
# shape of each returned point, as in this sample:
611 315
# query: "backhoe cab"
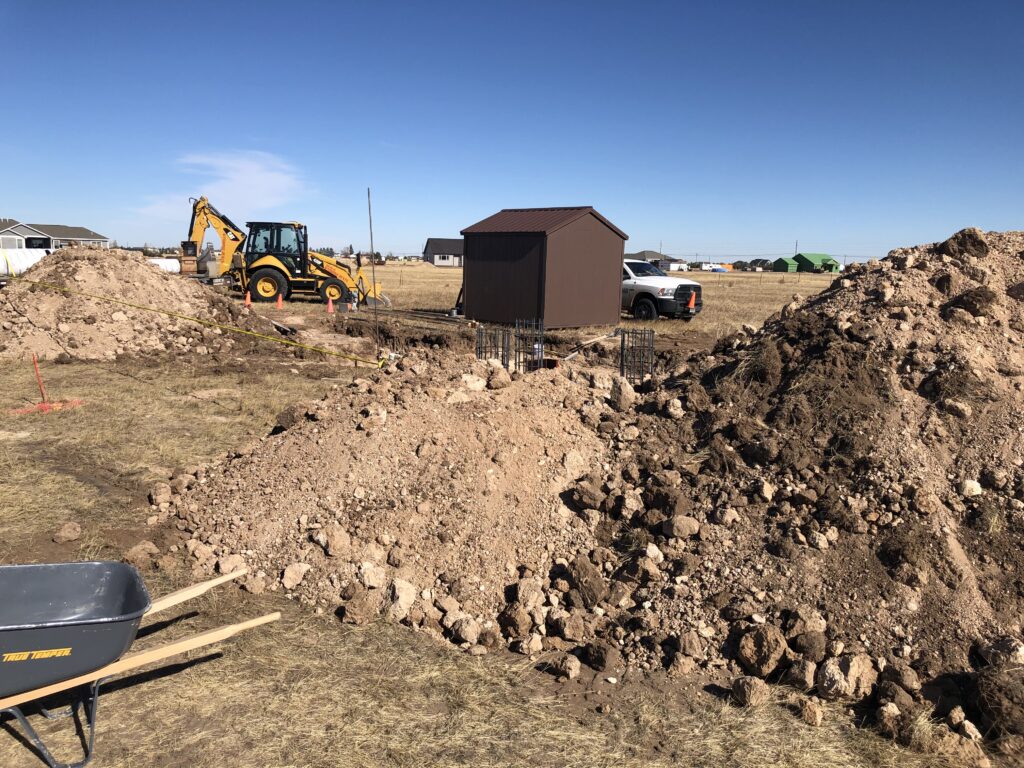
274 259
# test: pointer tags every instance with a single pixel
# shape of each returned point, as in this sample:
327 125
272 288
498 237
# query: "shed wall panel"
503 277
583 284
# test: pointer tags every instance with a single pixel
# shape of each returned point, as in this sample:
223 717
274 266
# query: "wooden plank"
141 659
189 593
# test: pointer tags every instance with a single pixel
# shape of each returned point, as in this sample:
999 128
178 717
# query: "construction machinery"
273 259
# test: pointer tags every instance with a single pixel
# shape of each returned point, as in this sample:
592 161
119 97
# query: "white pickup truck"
647 293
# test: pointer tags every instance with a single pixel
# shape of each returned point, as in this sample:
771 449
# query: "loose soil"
847 478
45 311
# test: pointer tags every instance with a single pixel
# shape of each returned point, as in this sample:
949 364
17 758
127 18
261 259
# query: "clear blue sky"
712 127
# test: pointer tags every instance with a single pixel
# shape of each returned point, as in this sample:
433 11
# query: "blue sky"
710 127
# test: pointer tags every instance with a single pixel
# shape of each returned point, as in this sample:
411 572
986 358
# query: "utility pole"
796 247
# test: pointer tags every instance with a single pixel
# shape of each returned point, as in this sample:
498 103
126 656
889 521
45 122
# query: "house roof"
817 258
446 245
647 256
62 232
6 223
541 221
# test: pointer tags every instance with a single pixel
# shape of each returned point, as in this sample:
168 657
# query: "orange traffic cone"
280 301
693 300
248 299
330 306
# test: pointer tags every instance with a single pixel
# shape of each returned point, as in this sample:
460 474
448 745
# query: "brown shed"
559 265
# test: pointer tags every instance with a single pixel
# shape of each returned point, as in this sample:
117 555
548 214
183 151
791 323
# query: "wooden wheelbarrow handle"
188 593
141 659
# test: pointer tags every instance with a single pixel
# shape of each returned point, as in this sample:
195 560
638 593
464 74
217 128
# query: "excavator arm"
232 238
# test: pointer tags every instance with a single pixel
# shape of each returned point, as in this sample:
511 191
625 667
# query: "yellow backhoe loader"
273 259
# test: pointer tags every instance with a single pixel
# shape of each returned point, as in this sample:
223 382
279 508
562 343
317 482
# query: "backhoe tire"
645 309
335 290
267 284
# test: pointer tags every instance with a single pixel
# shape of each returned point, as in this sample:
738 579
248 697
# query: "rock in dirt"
966 242
800 675
466 630
588 580
362 605
402 597
622 396
567 666
499 378
294 574
230 563
760 650
142 554
811 712
681 527
602 656
750 691
68 532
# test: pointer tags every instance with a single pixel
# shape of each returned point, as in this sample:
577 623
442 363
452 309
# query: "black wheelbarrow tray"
67 626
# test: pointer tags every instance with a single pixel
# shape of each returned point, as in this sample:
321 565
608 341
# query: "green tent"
815 262
784 264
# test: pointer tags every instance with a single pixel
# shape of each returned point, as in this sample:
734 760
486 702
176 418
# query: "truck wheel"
645 309
266 284
335 290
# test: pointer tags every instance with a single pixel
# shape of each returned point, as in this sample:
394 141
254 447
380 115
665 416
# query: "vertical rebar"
373 275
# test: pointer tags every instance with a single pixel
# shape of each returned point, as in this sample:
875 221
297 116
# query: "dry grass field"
730 300
308 691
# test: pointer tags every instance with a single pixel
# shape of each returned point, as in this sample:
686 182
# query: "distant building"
785 264
761 265
14 234
652 256
816 262
444 251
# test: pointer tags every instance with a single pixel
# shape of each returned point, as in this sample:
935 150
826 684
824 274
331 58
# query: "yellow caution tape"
207 323
10 267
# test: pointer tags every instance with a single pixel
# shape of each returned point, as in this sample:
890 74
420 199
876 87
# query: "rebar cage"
494 343
529 345
636 354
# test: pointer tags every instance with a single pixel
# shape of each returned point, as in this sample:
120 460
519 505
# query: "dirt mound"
36 318
885 416
446 481
835 501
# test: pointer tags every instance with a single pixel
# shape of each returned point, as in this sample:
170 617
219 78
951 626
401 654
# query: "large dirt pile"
444 480
835 501
39 319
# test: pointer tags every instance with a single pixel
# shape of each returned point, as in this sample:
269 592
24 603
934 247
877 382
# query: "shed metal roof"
542 221
446 245
818 259
787 259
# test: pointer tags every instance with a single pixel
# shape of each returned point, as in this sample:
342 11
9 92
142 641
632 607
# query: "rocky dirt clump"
38 319
421 492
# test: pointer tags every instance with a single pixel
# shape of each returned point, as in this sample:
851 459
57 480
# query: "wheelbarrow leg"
89 702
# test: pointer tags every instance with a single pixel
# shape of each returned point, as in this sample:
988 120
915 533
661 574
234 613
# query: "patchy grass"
137 424
418 285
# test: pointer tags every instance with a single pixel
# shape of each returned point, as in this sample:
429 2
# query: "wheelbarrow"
67 626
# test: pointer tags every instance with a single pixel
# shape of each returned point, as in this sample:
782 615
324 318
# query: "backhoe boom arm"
232 238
